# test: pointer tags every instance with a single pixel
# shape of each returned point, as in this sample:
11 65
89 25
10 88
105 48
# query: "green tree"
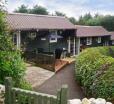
72 20
83 19
22 9
108 22
57 13
11 63
98 20
5 39
38 10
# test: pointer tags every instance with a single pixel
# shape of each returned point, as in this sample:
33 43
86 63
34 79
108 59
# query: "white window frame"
43 39
99 39
32 35
89 41
14 38
53 40
112 42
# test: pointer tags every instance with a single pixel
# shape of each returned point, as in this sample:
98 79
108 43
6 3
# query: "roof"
112 35
91 31
31 21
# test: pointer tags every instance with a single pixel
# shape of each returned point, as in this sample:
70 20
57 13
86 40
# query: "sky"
74 8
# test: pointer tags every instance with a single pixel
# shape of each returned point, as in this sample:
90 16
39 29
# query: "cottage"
46 34
44 38
92 36
112 38
41 33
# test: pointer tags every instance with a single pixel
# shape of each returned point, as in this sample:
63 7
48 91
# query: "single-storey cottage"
42 33
112 38
45 34
92 36
44 38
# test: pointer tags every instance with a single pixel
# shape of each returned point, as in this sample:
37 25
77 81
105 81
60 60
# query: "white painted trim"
18 34
99 39
89 40
69 44
74 47
77 45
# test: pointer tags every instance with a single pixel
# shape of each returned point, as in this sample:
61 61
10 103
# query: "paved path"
65 76
36 75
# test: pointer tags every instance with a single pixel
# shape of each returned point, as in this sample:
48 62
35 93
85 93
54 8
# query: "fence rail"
46 61
20 96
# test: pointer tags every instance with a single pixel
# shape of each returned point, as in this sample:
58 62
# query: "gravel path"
37 76
65 76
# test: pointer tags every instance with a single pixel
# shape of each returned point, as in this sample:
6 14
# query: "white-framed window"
53 40
53 36
112 42
43 39
14 38
99 39
32 35
89 41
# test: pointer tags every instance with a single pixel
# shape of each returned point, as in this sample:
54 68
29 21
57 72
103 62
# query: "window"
112 42
53 36
32 35
106 43
14 39
43 39
99 39
89 41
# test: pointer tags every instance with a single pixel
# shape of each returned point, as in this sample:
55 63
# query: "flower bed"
95 72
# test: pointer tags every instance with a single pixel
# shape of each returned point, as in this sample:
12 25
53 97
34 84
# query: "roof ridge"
86 26
37 15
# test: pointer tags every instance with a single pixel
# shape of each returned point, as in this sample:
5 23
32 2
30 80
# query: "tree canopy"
97 20
38 10
22 9
5 39
57 13
35 10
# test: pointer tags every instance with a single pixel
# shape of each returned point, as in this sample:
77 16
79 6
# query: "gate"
20 96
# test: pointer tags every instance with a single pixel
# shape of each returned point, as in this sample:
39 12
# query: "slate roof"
20 21
90 31
112 35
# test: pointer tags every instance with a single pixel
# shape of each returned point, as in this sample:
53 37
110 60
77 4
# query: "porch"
46 48
43 39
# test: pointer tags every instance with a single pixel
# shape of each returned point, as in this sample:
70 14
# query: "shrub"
95 71
11 65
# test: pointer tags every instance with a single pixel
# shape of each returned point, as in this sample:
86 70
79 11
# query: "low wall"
2 90
89 101
73 101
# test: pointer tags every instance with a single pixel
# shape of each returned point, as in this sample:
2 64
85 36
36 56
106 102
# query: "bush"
11 65
95 71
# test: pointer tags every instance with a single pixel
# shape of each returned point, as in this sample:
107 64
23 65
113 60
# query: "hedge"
12 65
94 71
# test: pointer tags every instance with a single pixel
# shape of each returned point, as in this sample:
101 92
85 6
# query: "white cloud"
70 7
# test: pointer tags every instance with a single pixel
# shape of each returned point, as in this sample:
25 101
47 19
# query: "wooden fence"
20 96
45 61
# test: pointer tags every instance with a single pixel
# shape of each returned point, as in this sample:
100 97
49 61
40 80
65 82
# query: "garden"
94 71
11 63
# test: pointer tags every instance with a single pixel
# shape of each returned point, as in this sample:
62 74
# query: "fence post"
62 95
8 87
58 96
